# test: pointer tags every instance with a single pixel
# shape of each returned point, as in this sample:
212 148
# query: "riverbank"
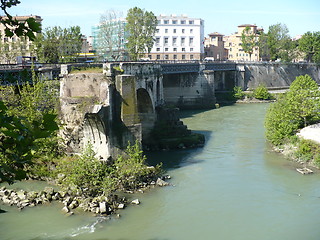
75 203
305 149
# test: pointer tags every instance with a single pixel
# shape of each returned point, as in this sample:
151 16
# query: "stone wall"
273 75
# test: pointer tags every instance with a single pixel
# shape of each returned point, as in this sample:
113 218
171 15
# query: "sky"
219 16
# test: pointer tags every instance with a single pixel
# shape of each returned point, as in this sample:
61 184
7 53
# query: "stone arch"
96 134
144 101
146 112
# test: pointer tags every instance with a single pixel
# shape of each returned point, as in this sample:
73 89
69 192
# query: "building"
109 40
178 38
12 47
233 45
214 46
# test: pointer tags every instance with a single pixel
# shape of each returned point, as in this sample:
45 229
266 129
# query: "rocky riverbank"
100 205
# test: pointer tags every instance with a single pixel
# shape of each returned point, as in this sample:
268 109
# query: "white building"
178 38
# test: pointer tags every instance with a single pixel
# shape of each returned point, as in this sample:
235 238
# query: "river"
234 188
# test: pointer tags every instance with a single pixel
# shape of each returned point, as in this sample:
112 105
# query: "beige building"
11 47
233 45
214 46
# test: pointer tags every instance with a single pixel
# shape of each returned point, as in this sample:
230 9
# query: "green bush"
261 92
131 169
238 93
86 174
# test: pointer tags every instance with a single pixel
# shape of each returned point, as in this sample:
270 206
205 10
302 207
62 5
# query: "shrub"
238 93
261 92
86 174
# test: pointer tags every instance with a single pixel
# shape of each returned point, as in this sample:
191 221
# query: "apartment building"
14 46
214 46
178 38
233 44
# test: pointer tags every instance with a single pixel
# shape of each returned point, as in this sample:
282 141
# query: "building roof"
215 34
247 25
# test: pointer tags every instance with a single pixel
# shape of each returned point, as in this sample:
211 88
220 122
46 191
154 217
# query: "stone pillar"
126 86
210 95
240 76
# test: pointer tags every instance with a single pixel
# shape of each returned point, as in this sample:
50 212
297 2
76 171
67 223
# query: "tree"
111 35
297 108
278 41
310 45
13 26
141 27
249 41
58 45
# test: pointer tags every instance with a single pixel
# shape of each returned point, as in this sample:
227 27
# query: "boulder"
121 206
103 207
135 202
161 183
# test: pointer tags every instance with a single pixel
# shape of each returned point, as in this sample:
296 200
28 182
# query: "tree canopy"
111 34
310 45
141 27
13 26
249 40
58 45
297 108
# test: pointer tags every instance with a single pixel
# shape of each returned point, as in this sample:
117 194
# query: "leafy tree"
310 45
304 99
13 26
278 41
249 41
17 143
141 27
295 109
110 41
58 45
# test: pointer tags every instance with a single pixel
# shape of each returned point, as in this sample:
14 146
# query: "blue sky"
219 16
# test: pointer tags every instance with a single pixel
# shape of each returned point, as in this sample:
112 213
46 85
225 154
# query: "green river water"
235 188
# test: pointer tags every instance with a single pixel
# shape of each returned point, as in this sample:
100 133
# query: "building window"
183 30
166 40
183 57
183 22
191 30
174 21
158 49
158 57
183 49
191 41
157 30
191 56
166 30
159 22
174 30
191 49
166 57
175 57
174 41
182 41
166 49
174 49
165 21
191 22
157 41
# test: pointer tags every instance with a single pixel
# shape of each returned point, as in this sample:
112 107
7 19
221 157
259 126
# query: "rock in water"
103 207
161 183
135 201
